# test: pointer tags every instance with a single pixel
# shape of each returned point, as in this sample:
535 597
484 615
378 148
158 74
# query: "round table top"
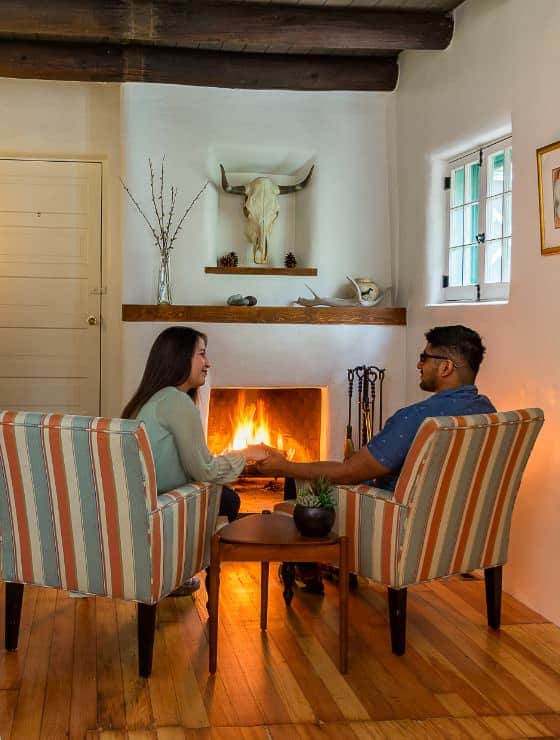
269 529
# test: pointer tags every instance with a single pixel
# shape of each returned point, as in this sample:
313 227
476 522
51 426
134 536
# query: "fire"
252 427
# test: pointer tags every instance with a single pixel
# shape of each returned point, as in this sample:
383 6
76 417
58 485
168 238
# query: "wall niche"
292 231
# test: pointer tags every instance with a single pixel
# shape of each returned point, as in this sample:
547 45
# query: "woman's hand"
256 453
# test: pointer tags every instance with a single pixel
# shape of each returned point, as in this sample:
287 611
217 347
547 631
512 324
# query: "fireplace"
287 418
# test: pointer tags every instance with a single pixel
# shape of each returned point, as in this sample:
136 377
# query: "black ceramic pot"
312 521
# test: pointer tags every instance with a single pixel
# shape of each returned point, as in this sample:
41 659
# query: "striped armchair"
450 512
79 511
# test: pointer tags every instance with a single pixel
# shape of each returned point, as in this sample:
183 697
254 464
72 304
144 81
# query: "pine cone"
228 260
290 260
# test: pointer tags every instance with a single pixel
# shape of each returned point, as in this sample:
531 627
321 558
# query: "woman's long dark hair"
169 363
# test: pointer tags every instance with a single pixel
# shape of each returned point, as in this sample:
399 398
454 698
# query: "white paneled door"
50 286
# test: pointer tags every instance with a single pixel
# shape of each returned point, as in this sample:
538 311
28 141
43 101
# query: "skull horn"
284 189
236 189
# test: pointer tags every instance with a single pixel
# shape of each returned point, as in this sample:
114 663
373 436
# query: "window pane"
493 262
458 187
508 171
471 223
456 266
507 214
506 261
470 265
494 217
456 230
495 173
473 171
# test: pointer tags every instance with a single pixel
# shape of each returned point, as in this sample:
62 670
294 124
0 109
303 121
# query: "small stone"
251 300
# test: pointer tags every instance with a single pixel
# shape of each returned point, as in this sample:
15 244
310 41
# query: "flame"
252 427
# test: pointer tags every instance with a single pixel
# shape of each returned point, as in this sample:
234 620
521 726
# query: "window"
479 186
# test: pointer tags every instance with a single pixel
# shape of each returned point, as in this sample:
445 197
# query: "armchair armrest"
181 530
374 523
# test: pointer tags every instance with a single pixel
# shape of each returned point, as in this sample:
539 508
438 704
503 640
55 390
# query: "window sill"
496 302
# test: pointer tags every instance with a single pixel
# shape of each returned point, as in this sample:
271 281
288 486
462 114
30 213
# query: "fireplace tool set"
368 381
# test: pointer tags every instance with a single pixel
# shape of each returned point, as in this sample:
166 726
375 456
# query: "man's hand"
274 464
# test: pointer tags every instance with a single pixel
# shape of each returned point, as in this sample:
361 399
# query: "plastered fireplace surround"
279 356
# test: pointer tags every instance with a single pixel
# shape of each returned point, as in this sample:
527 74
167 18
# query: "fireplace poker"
373 376
365 410
360 375
348 442
381 377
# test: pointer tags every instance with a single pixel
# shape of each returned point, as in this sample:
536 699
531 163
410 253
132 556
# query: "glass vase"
164 284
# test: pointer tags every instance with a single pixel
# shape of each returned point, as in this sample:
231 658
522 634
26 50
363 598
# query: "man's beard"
425 385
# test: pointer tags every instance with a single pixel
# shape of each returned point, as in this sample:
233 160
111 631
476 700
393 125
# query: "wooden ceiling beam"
194 23
110 63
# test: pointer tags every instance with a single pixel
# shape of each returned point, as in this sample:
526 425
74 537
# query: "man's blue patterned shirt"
393 442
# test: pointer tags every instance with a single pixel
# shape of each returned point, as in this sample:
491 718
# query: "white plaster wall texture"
71 120
500 73
343 218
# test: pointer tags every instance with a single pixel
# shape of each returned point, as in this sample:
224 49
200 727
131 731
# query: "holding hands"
256 453
269 460
274 464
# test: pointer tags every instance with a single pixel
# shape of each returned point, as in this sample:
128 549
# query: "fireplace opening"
286 418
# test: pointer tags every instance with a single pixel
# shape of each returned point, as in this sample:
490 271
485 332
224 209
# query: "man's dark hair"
462 342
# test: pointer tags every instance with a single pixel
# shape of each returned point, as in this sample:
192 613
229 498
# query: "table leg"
343 603
264 594
288 575
213 597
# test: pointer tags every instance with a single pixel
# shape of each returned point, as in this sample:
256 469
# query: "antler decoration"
358 301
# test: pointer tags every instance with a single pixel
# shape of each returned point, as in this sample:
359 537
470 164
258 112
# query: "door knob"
92 320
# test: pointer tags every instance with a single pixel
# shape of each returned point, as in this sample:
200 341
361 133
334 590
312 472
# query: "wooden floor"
75 672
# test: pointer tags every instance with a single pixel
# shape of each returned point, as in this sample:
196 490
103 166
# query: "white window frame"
482 291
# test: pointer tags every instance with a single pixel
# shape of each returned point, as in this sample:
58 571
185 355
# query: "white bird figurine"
359 300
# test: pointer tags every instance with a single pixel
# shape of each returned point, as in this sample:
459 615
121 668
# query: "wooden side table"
265 537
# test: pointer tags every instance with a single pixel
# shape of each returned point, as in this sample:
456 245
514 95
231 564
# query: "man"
448 367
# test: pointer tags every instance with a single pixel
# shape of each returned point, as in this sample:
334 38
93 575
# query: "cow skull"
261 208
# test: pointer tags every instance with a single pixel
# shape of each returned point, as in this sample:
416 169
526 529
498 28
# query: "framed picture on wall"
548 169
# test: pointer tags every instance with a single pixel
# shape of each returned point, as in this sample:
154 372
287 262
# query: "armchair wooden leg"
493 582
14 598
397 619
146 634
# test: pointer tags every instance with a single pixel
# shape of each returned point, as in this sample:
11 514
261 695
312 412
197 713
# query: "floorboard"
75 671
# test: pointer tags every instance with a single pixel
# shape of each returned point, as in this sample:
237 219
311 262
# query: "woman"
165 401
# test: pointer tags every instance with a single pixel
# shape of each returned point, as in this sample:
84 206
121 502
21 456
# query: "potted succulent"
314 512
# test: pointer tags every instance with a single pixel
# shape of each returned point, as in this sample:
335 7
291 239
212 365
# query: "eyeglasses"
426 356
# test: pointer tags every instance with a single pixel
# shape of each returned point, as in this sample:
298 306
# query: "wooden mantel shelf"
265 314
301 271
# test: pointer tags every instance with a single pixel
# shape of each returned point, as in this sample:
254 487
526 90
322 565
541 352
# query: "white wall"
71 120
342 225
347 214
500 71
